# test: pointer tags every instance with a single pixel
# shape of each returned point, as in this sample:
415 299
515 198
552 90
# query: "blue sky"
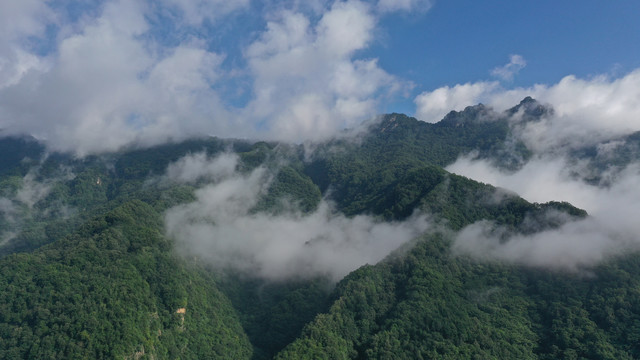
460 41
91 76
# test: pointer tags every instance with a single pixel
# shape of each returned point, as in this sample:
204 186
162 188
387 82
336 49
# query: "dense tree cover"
86 272
141 163
18 154
288 189
395 168
427 304
608 158
358 170
112 290
274 313
95 190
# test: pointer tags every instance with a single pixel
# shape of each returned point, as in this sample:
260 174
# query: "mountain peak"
531 109
393 120
470 115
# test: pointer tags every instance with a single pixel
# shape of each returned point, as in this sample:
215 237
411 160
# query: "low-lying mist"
613 204
24 198
221 228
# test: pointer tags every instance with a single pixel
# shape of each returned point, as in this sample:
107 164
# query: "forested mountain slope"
88 269
113 290
428 304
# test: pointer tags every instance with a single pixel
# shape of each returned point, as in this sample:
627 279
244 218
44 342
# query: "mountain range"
355 247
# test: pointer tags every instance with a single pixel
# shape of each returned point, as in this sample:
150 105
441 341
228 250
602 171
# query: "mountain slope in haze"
88 271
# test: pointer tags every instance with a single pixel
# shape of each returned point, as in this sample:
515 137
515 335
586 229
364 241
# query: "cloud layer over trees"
220 228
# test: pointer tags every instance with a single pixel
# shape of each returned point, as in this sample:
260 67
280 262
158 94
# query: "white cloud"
107 89
611 228
109 80
307 83
541 179
404 5
590 110
83 99
219 228
19 205
575 246
194 12
345 28
20 20
432 106
506 72
32 191
23 18
586 111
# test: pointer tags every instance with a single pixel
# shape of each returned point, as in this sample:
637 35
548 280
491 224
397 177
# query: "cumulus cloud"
507 72
111 78
106 89
23 18
307 83
588 111
220 228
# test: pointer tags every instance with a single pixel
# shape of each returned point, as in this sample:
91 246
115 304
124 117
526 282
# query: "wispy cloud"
194 12
198 167
509 70
404 5
27 200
